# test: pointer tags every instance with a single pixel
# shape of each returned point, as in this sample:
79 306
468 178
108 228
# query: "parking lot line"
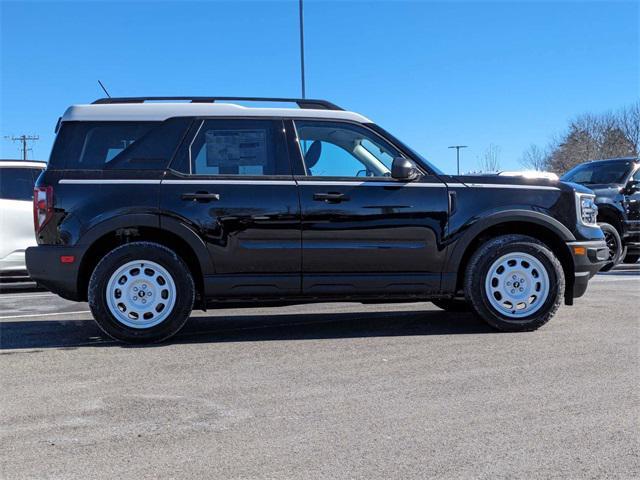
26 295
43 314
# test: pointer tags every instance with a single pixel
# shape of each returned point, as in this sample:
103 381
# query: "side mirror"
404 169
632 187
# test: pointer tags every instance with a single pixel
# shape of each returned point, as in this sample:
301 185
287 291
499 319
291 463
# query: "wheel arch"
533 224
611 215
173 234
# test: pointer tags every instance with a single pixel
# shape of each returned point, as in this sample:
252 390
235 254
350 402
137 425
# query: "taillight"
42 206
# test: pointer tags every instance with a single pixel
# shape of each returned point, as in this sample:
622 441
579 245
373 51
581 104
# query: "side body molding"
468 232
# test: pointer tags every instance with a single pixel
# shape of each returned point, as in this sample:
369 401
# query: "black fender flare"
151 220
505 216
610 209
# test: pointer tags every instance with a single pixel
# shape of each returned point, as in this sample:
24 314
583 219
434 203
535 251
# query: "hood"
495 179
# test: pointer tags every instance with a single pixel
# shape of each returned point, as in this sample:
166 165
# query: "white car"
17 178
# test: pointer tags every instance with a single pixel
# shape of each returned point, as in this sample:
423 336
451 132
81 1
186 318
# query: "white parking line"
43 314
26 295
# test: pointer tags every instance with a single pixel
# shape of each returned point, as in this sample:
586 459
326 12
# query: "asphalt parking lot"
325 391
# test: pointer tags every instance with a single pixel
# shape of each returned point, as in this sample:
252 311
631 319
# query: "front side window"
599 173
334 149
239 147
17 183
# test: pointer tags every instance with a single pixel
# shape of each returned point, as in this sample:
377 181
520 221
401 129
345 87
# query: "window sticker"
245 149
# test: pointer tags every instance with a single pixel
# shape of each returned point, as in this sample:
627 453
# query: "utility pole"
458 147
302 48
23 139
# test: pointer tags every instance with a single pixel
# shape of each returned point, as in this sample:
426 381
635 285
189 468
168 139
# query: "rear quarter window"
117 145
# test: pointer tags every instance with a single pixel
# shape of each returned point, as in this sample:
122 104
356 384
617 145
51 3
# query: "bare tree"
592 137
534 158
630 124
489 161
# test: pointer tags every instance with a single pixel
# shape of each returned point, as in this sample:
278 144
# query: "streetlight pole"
458 147
302 48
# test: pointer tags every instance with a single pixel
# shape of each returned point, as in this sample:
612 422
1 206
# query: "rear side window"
117 145
17 183
238 147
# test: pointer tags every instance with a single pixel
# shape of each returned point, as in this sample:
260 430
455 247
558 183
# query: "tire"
538 275
141 292
631 258
614 242
451 305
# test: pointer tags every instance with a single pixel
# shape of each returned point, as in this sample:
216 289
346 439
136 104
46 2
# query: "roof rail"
304 103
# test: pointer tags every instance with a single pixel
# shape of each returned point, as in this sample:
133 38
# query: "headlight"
587 208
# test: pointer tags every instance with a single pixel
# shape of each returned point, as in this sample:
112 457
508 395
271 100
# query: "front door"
232 183
362 231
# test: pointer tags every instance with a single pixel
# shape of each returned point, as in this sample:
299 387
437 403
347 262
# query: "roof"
22 163
616 159
162 111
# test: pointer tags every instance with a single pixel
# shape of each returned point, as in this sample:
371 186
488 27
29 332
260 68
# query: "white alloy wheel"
141 294
517 285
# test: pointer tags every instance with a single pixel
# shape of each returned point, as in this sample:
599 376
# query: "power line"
23 139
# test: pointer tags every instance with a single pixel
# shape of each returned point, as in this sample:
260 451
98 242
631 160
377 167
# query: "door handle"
201 196
330 197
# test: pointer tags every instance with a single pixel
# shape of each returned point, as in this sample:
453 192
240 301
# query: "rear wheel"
514 283
141 292
614 244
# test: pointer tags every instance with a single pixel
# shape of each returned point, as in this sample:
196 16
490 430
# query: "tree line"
589 137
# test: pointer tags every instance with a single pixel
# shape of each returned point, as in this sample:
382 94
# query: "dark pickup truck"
616 184
147 209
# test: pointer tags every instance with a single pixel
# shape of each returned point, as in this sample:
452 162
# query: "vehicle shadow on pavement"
71 334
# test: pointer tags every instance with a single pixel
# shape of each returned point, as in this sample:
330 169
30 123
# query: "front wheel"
514 283
614 244
141 292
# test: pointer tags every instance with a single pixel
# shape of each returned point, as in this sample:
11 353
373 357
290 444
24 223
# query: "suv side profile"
147 209
616 183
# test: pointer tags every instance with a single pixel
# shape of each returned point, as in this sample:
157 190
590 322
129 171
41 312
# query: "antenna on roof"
105 90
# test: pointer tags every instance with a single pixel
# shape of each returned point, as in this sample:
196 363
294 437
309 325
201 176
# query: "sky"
435 74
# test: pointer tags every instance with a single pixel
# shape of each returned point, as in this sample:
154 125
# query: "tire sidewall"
485 258
185 292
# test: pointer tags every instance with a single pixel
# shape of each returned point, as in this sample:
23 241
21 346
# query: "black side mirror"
404 169
632 187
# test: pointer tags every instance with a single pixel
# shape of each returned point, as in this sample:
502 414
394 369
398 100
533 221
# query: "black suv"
616 183
148 208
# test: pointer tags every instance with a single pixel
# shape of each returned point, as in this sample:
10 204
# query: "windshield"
599 173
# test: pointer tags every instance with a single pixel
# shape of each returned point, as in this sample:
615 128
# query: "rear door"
232 184
363 231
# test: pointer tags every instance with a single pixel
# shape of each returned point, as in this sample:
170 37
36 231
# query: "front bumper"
46 268
588 258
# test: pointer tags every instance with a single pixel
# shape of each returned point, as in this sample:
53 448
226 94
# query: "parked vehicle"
616 183
17 179
147 209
